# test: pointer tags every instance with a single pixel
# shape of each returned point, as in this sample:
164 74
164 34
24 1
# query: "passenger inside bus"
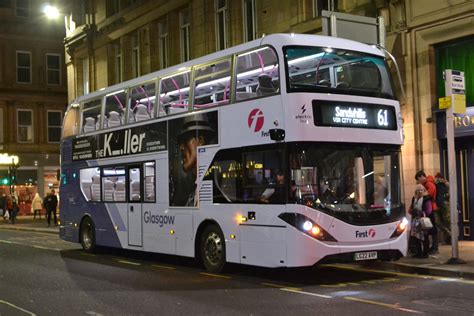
265 85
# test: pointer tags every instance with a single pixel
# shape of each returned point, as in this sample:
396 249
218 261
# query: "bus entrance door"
134 210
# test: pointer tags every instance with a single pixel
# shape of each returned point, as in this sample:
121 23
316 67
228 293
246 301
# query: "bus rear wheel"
213 249
87 235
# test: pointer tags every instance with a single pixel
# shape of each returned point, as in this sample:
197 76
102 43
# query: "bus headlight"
307 226
401 227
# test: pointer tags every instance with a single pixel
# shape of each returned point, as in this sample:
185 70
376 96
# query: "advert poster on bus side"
185 135
130 141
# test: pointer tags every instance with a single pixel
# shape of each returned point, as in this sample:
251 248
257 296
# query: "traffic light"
5 181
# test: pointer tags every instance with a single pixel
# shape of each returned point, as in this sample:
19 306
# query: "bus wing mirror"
277 134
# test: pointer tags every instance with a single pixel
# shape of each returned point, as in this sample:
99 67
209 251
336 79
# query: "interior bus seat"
265 85
95 188
119 193
104 124
114 119
108 190
141 113
135 191
150 188
89 126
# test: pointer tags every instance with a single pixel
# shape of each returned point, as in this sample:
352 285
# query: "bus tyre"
213 249
87 235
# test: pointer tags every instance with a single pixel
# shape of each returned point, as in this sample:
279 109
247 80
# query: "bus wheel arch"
87 234
210 247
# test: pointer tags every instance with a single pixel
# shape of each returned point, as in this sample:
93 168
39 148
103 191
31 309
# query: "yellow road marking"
281 286
88 254
418 276
17 307
130 262
163 267
393 306
369 282
306 293
334 285
215 275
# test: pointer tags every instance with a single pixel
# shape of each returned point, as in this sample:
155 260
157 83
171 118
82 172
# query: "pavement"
436 265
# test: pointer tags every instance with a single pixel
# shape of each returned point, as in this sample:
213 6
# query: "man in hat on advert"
195 132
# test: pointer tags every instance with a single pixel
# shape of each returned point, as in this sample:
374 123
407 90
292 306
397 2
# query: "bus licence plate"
369 255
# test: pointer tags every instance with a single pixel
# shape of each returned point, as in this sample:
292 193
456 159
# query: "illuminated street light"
51 12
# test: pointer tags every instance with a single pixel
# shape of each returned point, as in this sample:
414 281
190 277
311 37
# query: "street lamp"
51 11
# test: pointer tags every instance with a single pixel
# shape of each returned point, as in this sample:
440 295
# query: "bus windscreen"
331 70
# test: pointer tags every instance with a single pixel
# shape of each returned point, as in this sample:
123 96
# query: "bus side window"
114 109
226 175
212 84
174 94
142 101
90 184
260 176
90 114
149 168
257 74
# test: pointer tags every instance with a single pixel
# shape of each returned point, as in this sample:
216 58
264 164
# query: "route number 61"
382 119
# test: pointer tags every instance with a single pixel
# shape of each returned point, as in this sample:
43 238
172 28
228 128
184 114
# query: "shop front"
36 173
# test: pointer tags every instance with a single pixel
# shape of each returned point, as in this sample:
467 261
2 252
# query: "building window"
320 5
163 38
250 20
221 24
23 67
54 126
53 68
118 62
85 74
184 24
22 8
135 42
25 126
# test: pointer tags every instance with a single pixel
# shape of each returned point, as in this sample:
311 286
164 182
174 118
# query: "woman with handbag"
421 207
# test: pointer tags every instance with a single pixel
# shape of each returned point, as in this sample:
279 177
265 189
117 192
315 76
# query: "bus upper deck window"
257 74
142 101
174 94
91 117
212 84
114 109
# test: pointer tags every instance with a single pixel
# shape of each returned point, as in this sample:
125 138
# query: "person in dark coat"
50 204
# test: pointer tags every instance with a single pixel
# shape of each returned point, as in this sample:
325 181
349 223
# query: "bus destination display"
355 115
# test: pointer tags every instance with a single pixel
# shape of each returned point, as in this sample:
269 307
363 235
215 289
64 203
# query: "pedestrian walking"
51 203
421 206
430 186
36 206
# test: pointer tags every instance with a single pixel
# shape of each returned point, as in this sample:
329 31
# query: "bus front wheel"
87 235
213 249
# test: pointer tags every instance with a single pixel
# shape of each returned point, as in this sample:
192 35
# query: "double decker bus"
280 152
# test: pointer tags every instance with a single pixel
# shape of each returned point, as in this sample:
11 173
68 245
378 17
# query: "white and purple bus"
280 152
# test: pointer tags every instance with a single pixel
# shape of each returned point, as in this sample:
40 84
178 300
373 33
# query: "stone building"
33 95
111 41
